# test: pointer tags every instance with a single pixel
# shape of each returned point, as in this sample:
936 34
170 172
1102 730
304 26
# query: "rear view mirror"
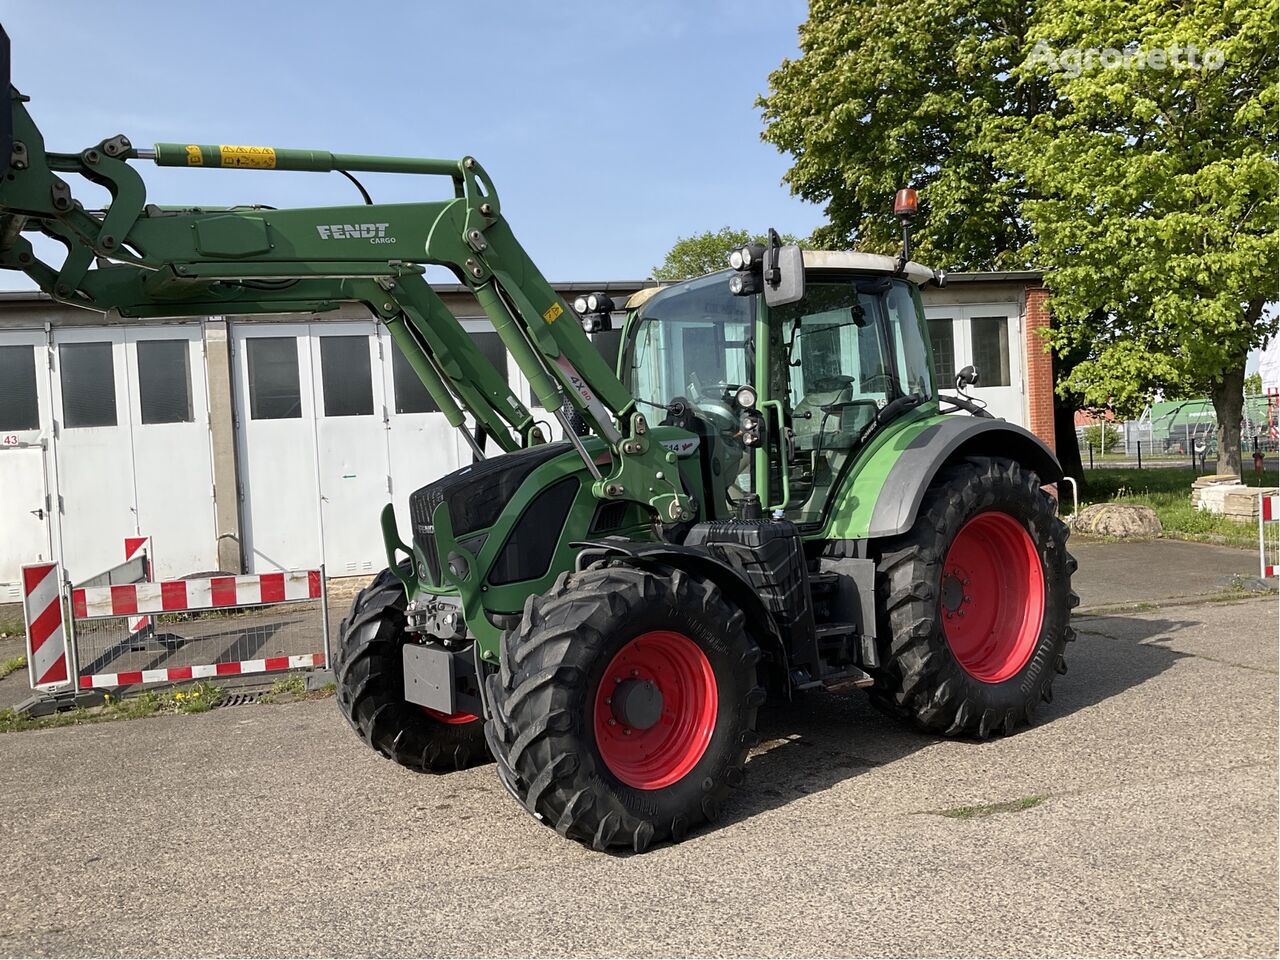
783 273
967 377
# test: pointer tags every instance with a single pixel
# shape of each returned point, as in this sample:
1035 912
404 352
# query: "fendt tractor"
769 496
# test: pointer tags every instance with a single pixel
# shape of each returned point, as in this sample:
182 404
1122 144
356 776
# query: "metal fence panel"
218 627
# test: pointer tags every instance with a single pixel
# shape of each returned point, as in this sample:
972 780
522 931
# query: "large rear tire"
625 705
370 689
975 603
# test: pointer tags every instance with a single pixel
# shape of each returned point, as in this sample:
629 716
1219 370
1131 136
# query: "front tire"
369 673
625 705
975 603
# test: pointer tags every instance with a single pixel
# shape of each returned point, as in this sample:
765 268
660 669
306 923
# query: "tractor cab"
787 394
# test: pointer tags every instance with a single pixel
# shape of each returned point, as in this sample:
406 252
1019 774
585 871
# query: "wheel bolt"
608 700
613 722
627 731
968 599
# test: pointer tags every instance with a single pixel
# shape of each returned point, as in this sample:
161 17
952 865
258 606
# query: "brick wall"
1039 367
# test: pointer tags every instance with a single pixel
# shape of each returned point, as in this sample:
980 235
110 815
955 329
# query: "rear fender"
946 440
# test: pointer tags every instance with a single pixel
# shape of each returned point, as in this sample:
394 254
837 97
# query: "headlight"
580 305
746 397
593 303
735 260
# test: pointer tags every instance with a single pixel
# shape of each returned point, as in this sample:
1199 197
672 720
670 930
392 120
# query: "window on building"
411 395
164 381
942 337
991 350
346 376
19 409
88 385
274 393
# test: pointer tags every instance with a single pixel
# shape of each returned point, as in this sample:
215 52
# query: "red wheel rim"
450 717
992 603
661 754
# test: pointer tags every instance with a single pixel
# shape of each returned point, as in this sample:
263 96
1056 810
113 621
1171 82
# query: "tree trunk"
1228 404
1068 444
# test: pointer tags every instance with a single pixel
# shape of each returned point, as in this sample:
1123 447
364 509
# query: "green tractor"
765 498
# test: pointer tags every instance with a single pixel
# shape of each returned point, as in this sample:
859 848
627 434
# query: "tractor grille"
475 495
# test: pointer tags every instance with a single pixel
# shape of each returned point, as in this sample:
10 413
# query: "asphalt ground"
270 830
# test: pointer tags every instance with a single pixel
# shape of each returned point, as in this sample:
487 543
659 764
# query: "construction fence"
122 630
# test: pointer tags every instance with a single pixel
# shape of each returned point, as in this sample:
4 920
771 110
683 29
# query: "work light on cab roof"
594 309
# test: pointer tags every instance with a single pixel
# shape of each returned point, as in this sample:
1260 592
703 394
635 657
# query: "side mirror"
783 272
967 377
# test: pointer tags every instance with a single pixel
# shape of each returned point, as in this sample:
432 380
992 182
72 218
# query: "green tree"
917 93
1103 437
894 93
705 252
1253 385
1153 196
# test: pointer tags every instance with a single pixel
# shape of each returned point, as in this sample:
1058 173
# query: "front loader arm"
138 260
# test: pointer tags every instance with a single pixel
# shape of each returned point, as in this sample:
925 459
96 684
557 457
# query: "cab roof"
918 273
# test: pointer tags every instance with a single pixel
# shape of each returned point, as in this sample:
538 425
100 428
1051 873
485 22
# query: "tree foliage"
705 252
909 93
1152 197
1147 195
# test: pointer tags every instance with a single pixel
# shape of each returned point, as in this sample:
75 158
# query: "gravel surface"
270 830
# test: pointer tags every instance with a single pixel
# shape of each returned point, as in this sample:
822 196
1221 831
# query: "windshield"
849 348
693 341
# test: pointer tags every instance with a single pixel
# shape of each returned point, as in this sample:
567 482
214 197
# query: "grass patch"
1168 493
287 689
196 698
991 809
12 665
11 623
323 692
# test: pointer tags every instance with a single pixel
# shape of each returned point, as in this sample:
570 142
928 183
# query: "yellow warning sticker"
553 312
194 157
252 158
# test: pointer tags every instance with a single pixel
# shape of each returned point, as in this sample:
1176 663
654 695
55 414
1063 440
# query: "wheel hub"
953 597
637 703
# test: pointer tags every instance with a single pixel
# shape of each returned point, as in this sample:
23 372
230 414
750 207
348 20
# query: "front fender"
760 620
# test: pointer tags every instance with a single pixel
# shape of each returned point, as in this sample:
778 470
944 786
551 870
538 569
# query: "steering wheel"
716 400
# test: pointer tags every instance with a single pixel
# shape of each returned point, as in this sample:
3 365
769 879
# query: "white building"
254 444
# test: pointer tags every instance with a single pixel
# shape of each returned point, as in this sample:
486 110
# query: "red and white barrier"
180 596
46 632
135 547
177 674
1269 536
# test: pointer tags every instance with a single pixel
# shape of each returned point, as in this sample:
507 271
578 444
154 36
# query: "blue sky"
609 129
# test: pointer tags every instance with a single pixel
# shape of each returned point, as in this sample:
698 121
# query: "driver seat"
825 391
